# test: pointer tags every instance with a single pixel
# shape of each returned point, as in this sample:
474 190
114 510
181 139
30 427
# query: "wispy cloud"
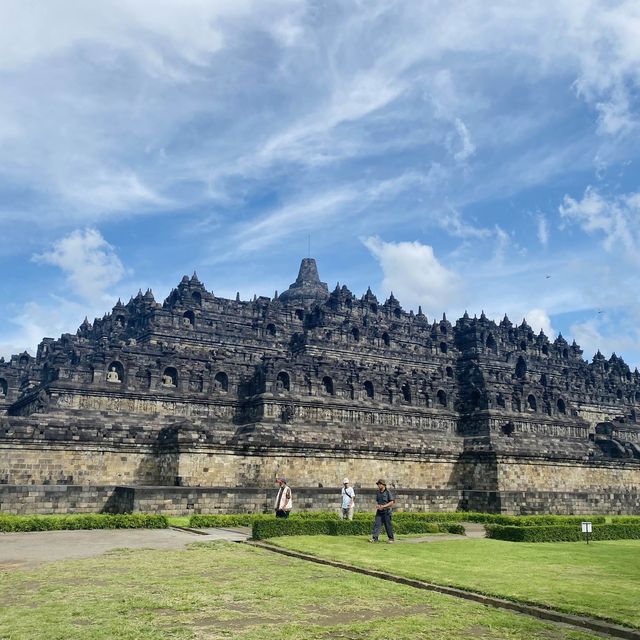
616 220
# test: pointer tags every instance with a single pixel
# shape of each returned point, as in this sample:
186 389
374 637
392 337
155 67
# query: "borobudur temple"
196 403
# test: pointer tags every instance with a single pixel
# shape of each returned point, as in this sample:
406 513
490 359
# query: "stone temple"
196 403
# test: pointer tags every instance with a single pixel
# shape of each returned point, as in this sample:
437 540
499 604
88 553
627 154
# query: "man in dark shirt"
384 502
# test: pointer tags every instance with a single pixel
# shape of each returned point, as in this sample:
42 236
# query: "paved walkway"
25 550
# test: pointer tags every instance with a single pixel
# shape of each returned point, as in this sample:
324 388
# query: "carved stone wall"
200 390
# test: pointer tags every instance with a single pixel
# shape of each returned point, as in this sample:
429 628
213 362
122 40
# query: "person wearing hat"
284 501
384 502
348 495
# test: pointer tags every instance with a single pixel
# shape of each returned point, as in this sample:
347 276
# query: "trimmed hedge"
275 527
83 521
247 520
562 533
625 520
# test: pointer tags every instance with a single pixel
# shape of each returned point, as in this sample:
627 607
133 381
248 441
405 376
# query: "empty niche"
385 339
492 345
196 297
221 381
355 333
327 385
449 372
443 347
442 398
368 389
562 408
270 330
283 382
521 368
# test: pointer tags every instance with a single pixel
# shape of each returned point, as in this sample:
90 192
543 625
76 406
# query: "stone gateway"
199 402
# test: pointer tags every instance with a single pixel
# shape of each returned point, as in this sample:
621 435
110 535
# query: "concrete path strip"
26 550
599 626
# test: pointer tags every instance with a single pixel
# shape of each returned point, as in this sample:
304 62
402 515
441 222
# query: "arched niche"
532 403
368 389
355 334
4 388
523 345
23 361
283 381
221 381
115 372
441 397
406 392
443 347
562 407
119 322
386 340
327 385
521 368
500 401
271 330
449 372
189 319
196 296
170 377
491 343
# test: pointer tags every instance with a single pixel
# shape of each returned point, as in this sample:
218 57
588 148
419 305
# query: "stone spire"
307 289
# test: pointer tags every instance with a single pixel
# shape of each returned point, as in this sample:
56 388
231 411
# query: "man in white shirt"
348 495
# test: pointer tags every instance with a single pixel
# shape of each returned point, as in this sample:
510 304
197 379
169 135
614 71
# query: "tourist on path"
384 502
284 502
348 495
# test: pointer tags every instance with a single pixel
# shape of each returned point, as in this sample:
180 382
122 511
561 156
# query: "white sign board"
586 527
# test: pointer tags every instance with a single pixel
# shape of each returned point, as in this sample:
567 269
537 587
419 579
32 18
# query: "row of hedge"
11 524
247 520
563 533
275 527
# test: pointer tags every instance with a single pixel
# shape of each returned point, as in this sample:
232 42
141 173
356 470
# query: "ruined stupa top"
307 289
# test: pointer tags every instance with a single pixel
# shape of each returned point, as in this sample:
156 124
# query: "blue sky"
464 155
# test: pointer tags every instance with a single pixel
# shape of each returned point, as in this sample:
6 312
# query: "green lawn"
225 590
601 579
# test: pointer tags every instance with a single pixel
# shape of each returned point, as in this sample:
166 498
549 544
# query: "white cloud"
617 220
415 276
88 261
539 320
543 230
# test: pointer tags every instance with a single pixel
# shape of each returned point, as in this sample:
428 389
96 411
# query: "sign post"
587 529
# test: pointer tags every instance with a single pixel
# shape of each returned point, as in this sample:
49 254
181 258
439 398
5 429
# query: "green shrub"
625 520
82 521
562 533
273 527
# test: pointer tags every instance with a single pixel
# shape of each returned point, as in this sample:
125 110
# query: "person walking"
284 501
348 502
384 501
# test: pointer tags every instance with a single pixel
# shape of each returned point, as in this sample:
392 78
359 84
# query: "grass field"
601 579
226 590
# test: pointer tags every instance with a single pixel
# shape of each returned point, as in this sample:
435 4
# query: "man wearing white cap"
348 495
